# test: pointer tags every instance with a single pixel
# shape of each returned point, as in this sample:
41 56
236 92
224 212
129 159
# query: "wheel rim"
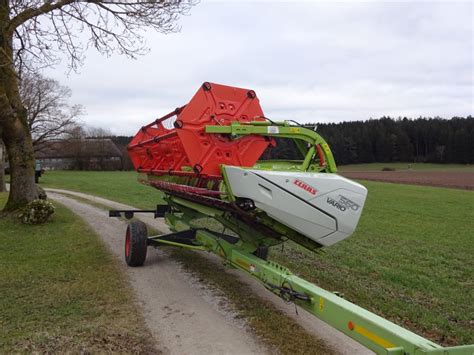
127 243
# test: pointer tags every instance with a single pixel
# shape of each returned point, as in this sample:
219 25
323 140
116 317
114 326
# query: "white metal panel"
324 207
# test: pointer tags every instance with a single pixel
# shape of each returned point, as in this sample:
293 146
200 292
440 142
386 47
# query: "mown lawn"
61 291
406 166
119 186
411 259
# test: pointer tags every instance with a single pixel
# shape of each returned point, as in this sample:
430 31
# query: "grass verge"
60 291
278 331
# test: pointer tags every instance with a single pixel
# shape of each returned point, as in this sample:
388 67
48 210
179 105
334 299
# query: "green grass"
61 291
119 186
411 259
405 166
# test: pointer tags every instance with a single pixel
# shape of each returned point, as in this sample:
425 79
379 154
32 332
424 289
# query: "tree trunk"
21 158
14 129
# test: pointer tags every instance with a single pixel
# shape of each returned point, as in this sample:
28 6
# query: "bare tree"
49 114
42 31
98 132
100 135
74 146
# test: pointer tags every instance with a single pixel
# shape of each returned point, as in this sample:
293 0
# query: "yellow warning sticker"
321 304
242 263
374 337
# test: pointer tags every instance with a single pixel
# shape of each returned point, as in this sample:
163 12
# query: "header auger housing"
204 158
183 143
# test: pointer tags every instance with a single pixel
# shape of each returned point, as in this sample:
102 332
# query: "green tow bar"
374 332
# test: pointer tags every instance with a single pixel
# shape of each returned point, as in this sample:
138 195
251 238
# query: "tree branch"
30 13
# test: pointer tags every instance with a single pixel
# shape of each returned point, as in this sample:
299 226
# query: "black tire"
261 252
136 242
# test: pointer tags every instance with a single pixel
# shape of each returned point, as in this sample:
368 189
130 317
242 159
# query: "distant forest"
433 140
429 140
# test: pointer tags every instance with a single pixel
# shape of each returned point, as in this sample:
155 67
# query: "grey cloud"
318 61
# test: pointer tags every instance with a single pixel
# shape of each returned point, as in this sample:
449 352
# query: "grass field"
58 291
406 166
410 259
120 186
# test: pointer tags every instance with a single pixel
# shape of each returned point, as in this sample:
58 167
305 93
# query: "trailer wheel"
261 252
136 241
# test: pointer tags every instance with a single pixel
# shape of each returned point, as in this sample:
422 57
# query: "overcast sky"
307 61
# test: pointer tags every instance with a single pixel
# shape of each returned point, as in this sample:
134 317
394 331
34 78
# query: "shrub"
36 212
388 169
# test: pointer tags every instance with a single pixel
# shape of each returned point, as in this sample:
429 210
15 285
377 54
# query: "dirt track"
451 179
175 303
178 309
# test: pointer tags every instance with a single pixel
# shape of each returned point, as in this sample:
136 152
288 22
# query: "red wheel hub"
127 243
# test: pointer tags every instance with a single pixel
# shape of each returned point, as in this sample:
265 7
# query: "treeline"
433 140
429 140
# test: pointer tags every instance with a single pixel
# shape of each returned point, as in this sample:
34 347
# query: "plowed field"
451 179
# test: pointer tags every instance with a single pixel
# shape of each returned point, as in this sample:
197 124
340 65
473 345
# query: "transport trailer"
221 196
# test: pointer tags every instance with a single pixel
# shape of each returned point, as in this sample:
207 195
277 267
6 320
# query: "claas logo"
305 186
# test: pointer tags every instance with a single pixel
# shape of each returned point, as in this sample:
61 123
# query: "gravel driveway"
178 309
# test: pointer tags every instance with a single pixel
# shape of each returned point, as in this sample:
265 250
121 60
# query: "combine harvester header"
222 197
188 144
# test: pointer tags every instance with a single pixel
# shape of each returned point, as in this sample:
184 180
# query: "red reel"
157 148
